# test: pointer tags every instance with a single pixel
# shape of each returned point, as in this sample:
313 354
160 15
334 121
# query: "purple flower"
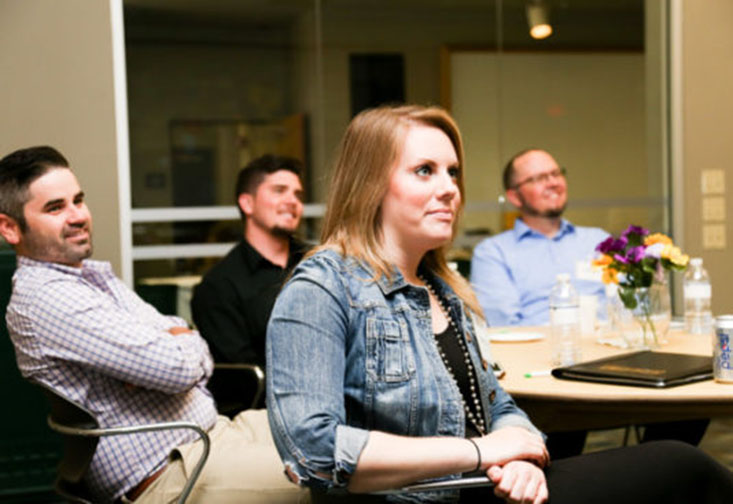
636 230
605 246
612 244
635 254
620 258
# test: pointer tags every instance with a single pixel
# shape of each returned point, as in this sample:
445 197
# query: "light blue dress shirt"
514 272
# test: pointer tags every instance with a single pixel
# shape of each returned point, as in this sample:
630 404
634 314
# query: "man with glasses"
514 272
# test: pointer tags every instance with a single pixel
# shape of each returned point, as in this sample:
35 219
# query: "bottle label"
564 315
697 291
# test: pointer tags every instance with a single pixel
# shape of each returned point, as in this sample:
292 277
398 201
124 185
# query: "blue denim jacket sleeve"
306 339
506 413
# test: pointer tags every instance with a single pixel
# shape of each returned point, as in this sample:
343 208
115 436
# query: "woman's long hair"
367 154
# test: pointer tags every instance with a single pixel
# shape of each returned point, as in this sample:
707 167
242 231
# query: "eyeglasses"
542 177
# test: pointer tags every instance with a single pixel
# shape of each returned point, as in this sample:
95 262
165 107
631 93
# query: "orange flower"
610 275
657 238
602 261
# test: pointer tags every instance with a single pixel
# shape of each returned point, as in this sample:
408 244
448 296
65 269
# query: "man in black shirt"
232 304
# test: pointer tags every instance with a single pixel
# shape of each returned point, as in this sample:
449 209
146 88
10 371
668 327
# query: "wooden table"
561 405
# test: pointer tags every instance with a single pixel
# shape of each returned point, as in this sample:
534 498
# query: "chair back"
81 433
237 387
78 450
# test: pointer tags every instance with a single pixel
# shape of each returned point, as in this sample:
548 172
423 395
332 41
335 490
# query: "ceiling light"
538 17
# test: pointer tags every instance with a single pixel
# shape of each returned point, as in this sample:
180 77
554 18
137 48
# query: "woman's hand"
512 443
519 482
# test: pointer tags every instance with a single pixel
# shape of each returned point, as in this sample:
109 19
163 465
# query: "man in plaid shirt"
80 331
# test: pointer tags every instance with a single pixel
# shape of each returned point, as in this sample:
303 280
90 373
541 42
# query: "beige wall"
707 111
350 29
587 109
56 88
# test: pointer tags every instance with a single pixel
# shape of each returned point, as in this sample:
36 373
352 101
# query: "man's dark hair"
252 175
18 170
508 175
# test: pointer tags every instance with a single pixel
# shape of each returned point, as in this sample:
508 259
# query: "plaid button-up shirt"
82 332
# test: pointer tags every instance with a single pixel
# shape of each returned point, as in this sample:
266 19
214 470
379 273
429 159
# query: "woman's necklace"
474 415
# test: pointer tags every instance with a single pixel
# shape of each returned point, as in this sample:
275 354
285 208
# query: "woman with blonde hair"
375 376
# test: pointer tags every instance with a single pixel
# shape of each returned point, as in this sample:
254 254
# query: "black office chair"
81 433
231 389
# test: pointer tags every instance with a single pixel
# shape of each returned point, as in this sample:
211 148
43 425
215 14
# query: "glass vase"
647 324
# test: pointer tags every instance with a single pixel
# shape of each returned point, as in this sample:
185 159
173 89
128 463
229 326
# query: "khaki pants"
243 467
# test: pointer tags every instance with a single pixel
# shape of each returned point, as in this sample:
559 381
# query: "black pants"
669 472
689 431
569 444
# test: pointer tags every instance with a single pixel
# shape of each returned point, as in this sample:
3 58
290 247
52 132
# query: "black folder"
642 369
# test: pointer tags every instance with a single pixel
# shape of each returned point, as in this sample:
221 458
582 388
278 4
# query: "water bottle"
564 322
697 292
614 308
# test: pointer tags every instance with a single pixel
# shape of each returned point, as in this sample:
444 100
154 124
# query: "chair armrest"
450 484
115 431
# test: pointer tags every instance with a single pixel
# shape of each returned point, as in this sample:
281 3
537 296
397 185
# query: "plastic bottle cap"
696 261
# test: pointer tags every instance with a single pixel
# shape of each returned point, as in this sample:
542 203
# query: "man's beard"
53 251
281 232
552 213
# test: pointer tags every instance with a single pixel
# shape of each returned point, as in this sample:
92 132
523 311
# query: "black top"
448 343
232 304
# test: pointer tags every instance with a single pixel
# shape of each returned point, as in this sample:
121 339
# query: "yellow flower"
675 255
602 261
657 238
610 275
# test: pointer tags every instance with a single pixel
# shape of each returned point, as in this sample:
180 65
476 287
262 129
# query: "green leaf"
634 240
669 265
649 264
627 297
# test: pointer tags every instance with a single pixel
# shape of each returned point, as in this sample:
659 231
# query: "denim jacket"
347 355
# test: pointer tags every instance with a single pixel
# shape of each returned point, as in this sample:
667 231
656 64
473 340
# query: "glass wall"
214 84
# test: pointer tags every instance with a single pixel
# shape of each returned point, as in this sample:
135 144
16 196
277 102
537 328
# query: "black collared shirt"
232 304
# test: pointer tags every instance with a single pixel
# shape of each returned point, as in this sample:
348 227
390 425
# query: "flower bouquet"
636 261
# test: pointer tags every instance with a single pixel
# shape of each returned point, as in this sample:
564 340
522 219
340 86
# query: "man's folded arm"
90 330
